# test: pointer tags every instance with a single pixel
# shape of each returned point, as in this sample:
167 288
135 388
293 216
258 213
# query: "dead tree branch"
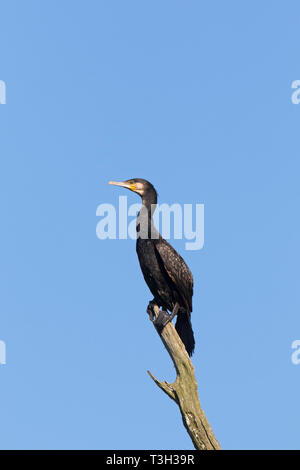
184 391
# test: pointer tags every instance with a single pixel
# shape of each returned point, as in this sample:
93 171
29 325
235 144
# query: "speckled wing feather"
177 270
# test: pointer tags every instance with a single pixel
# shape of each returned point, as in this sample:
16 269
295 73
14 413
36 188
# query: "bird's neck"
144 222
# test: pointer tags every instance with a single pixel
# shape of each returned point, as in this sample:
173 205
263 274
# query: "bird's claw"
162 319
150 310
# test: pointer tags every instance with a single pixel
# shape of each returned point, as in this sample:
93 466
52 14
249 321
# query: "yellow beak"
132 187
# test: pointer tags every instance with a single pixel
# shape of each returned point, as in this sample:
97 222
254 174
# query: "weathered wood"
184 391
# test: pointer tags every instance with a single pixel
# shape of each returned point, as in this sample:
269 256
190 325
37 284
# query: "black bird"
164 270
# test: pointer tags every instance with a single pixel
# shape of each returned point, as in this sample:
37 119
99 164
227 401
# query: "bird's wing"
177 270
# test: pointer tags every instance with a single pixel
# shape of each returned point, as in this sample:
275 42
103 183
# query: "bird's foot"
161 320
164 318
158 317
151 310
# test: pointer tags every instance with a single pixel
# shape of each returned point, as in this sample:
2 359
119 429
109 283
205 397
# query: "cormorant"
164 270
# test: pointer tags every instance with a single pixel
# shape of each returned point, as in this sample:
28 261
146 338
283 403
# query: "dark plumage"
165 272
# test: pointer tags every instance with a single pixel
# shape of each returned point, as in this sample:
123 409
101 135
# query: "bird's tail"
185 331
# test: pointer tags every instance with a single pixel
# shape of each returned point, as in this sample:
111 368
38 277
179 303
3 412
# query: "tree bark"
184 391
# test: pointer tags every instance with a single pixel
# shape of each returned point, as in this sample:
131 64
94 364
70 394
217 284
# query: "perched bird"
164 270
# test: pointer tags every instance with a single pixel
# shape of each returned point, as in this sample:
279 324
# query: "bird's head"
140 186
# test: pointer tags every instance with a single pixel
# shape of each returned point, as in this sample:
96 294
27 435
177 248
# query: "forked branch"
184 391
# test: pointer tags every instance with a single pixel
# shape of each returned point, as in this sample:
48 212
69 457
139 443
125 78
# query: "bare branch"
184 391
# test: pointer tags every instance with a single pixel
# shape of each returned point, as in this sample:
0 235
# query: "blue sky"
195 97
